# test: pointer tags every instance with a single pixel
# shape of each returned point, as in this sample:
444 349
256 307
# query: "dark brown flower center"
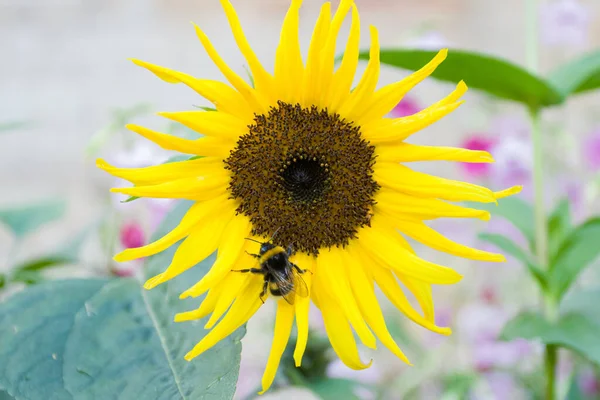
306 174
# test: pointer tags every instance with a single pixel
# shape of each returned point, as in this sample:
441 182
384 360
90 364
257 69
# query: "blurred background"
67 89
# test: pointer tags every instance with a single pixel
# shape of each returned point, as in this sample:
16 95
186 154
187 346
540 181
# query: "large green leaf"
573 331
99 339
578 76
495 76
509 247
577 251
23 220
335 388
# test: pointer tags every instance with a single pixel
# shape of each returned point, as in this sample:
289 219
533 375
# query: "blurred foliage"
24 220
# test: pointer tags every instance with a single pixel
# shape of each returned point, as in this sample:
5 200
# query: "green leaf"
578 76
335 388
573 331
23 220
495 76
2 280
578 251
27 277
510 248
584 302
518 212
44 262
104 339
559 226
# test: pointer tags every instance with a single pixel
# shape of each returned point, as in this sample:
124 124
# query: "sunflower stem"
541 233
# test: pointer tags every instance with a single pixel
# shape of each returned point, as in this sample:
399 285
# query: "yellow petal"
242 309
400 204
430 237
338 330
209 147
386 98
206 307
362 286
283 328
256 101
333 274
225 98
231 249
164 172
210 123
262 79
195 215
404 152
302 305
392 290
384 245
328 51
367 84
422 292
344 76
311 84
386 130
232 284
289 69
197 188
405 180
508 192
201 243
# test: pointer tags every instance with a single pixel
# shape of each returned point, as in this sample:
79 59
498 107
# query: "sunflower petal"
162 173
422 292
405 180
210 123
231 249
332 272
362 286
386 98
344 76
368 82
289 69
242 309
206 307
311 89
224 97
303 306
404 152
339 331
257 103
283 327
232 286
385 246
195 215
209 147
263 80
403 205
201 243
508 192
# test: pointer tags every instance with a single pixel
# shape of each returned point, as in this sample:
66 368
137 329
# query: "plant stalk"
541 232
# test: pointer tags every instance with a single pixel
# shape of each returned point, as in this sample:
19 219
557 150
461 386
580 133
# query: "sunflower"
303 157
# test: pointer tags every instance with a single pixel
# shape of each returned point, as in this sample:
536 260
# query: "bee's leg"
253 270
264 291
289 250
297 268
253 255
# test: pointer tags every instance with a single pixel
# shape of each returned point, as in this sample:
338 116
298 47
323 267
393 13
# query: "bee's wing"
299 285
285 285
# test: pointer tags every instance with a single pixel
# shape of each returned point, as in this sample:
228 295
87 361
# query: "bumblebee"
282 277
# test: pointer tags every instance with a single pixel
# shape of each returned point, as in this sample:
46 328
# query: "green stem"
541 233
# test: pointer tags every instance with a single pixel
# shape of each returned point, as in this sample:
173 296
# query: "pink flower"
589 383
477 142
132 235
591 150
565 22
407 106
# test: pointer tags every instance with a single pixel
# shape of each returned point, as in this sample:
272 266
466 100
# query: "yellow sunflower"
304 158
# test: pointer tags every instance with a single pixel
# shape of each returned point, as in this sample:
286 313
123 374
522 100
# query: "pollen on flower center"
306 174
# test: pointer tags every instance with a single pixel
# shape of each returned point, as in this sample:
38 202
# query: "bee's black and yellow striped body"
282 277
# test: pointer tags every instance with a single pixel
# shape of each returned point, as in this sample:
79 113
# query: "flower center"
305 174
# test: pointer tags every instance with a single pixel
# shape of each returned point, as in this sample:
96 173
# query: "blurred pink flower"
407 106
565 23
132 235
477 142
591 150
589 383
